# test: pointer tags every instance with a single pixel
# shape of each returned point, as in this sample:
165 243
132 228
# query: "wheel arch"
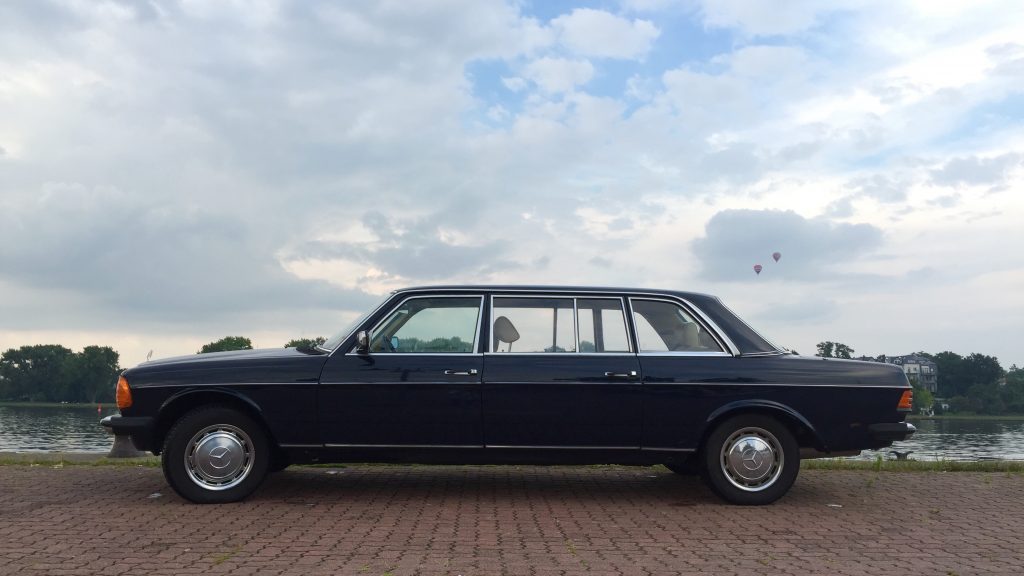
805 433
187 400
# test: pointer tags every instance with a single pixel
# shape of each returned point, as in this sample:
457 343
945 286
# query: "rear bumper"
139 428
892 431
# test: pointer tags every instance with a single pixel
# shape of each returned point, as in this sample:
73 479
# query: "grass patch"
57 460
1014 466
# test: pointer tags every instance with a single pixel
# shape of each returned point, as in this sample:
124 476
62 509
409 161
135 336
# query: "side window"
429 325
602 325
664 326
533 325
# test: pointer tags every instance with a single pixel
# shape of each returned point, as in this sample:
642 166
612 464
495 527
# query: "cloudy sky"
173 172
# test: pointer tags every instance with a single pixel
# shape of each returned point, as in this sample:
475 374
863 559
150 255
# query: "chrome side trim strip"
599 381
403 446
515 447
497 446
745 384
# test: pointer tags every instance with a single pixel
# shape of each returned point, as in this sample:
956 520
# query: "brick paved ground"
377 520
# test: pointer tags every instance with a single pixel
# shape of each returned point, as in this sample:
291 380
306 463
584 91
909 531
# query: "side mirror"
362 342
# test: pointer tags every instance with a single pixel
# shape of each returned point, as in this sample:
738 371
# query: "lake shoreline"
12 404
1008 417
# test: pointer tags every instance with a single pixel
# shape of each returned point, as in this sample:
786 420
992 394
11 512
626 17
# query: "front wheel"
215 455
751 459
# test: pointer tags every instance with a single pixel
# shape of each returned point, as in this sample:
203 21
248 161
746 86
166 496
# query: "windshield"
339 337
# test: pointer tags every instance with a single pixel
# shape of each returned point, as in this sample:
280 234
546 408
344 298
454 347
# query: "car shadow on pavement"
394 483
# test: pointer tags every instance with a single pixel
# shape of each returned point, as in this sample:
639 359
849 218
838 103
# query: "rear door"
560 372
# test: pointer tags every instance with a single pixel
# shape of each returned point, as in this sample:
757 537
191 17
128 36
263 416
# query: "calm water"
63 429
26 429
961 440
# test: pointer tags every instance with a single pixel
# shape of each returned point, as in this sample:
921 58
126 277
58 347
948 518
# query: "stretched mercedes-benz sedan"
516 375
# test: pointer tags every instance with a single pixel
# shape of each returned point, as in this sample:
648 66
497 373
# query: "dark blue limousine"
517 375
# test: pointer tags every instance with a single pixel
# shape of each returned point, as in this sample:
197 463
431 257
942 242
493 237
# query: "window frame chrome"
476 338
723 341
626 294
574 296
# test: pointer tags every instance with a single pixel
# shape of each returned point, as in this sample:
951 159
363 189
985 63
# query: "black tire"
215 454
764 462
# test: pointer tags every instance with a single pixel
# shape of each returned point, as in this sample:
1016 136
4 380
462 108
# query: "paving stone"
511 520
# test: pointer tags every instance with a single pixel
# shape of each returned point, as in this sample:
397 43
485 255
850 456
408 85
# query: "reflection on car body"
509 374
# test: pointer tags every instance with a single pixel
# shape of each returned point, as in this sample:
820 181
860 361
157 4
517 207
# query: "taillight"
124 394
906 400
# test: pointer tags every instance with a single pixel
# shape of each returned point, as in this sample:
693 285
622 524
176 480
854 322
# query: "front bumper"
139 428
892 431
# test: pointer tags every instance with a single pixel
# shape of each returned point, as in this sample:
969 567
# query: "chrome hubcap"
219 457
752 459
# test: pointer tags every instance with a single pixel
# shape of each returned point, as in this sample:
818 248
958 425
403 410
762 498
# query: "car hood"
209 358
242 366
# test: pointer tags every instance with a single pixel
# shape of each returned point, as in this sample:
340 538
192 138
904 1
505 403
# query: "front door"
419 384
560 372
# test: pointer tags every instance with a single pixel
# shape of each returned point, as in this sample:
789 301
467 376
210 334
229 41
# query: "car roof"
745 338
547 288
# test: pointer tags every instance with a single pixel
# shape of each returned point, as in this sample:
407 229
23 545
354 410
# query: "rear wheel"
215 454
751 459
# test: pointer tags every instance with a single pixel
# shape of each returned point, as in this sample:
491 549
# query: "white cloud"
558 74
306 155
760 18
514 83
596 33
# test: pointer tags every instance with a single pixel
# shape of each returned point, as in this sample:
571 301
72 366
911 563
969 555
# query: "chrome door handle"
630 374
470 372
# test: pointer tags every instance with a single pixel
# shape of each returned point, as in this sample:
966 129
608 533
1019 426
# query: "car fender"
176 405
787 413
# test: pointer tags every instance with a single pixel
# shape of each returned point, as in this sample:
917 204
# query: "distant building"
919 370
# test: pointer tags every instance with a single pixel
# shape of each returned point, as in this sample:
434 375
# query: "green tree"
227 344
829 349
923 399
35 373
305 343
1013 391
92 374
957 374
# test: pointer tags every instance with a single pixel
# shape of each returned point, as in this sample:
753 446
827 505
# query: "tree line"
54 373
973 383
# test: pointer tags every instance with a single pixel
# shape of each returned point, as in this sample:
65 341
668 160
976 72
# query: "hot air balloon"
757 268
776 255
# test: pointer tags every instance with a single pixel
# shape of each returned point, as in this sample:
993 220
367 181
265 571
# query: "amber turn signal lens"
124 394
906 400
